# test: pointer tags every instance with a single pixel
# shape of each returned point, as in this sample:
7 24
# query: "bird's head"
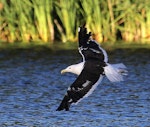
68 69
75 69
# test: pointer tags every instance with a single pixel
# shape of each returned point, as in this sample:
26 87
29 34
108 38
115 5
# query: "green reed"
67 19
49 20
93 17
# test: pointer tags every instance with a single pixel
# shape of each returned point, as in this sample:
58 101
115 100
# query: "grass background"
113 22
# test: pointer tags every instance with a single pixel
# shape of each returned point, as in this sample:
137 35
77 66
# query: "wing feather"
88 48
84 85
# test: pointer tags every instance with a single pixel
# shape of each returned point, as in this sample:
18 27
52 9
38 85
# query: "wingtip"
82 27
60 108
83 35
64 104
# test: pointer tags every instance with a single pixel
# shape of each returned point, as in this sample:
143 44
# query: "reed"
146 14
67 19
24 28
43 19
93 17
27 20
7 22
49 20
132 20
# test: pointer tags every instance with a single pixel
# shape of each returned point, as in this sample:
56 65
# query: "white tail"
115 72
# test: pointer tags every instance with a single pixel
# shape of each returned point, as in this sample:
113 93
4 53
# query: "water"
31 88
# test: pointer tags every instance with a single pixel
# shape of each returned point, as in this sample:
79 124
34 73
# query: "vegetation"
50 20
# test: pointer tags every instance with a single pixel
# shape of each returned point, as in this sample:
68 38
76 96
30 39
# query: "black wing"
83 36
83 85
90 49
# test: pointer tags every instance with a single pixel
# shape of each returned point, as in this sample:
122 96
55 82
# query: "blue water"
31 88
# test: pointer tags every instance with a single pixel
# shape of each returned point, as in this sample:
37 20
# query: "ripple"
31 88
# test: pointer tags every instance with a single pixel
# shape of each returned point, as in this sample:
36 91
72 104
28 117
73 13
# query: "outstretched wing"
84 85
90 49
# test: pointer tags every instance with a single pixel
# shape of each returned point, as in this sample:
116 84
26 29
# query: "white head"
75 69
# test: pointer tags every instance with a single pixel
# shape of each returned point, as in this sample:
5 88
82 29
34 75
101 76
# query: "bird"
90 71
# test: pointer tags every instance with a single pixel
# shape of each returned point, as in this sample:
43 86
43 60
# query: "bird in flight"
90 71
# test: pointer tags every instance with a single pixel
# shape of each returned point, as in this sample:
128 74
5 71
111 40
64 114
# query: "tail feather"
119 65
121 68
115 72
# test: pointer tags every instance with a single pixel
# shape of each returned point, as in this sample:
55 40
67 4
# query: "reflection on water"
31 88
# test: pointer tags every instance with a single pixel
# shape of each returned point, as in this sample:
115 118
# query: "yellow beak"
63 71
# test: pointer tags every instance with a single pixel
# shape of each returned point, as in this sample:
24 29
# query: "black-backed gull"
90 71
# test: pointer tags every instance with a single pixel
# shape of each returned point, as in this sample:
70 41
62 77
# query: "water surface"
31 88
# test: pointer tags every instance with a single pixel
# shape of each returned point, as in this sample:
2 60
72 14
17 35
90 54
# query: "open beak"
63 71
